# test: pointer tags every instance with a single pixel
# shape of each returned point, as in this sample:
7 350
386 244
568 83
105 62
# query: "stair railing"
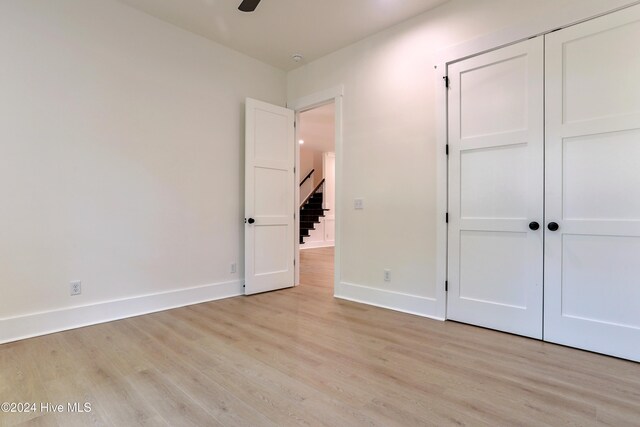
307 177
315 190
307 184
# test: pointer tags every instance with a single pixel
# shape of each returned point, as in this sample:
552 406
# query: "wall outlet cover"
75 287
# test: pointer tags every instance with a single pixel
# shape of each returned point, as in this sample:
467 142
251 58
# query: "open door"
269 197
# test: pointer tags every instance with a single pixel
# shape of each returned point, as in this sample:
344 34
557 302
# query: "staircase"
311 211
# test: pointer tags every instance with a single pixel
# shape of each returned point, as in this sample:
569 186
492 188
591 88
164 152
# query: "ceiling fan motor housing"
248 5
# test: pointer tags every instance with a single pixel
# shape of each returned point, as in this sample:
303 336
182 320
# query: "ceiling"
278 29
317 128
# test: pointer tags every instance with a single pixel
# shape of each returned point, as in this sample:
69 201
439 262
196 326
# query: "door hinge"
446 81
446 217
446 286
446 149
294 262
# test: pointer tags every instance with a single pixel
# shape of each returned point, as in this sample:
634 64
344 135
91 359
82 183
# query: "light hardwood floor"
300 357
316 267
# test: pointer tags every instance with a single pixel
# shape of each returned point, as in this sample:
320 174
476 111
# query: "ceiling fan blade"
248 5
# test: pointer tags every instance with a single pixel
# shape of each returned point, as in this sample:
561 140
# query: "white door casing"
269 197
592 262
329 174
495 269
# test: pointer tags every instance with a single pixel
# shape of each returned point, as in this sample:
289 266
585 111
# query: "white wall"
390 145
306 161
121 162
309 160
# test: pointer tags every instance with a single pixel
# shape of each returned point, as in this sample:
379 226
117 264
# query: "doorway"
272 191
316 131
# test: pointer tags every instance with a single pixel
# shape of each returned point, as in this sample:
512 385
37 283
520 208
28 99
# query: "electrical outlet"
387 275
358 203
75 287
234 268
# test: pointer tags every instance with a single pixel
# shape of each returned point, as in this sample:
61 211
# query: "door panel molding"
592 290
496 189
269 197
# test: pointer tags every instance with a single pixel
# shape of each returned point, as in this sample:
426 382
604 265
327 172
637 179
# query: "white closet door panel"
492 182
587 264
590 53
592 262
478 267
496 189
495 96
604 168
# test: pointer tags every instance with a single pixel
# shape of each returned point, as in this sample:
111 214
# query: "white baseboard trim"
406 303
44 323
315 245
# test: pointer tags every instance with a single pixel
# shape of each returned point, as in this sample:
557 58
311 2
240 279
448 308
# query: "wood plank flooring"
301 357
316 267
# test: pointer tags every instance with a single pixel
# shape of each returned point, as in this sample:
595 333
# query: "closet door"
592 242
496 189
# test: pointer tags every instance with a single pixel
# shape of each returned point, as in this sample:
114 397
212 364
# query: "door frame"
572 13
300 105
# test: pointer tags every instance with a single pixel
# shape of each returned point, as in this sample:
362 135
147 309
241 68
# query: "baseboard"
37 324
406 303
315 245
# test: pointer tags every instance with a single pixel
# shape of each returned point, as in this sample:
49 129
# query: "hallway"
317 267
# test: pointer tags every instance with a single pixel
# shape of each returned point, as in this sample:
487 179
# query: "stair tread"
310 213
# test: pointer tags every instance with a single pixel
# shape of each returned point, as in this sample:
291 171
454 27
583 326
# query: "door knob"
553 226
251 220
534 226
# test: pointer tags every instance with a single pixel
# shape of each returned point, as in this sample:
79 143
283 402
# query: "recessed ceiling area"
279 29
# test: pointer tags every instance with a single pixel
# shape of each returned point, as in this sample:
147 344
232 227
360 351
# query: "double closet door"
544 187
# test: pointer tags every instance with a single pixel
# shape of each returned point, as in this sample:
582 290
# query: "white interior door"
269 197
592 262
496 189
